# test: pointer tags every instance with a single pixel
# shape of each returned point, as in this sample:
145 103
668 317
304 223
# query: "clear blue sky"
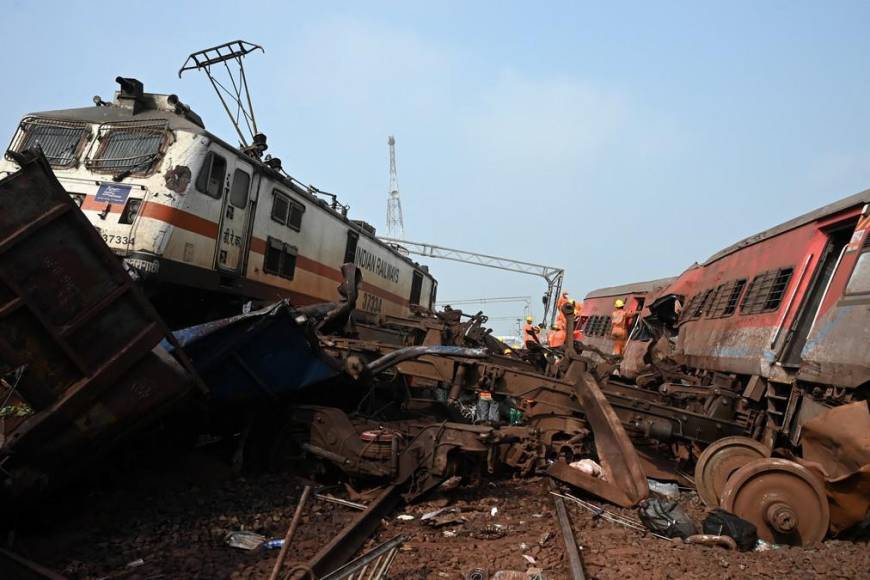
622 143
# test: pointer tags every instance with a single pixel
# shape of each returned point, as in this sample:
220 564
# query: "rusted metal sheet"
836 445
76 335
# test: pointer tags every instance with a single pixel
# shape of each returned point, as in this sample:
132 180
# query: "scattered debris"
712 540
291 531
721 522
451 483
668 490
574 560
666 518
589 467
602 513
339 501
443 517
244 540
373 565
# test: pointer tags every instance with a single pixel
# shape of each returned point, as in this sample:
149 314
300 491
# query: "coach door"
233 235
800 329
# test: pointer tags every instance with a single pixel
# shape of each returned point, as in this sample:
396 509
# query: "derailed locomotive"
208 227
764 347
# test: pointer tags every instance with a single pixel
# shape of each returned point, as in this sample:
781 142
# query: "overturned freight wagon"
80 359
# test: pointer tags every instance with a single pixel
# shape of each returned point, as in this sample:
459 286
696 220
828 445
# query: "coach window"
766 291
727 296
689 308
280 259
211 176
239 189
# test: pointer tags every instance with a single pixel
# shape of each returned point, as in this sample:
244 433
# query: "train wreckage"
126 305
86 359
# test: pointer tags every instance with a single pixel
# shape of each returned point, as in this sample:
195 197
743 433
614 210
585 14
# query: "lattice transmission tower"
395 220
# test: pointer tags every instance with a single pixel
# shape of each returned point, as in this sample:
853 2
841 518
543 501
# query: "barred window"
280 259
280 207
287 211
689 308
593 326
132 148
701 304
61 142
727 295
766 291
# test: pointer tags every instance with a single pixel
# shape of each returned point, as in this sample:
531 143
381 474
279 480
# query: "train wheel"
784 500
719 460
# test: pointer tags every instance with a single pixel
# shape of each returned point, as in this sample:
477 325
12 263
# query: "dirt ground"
176 523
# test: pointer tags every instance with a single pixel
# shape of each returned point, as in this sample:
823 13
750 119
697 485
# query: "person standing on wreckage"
619 326
486 410
530 334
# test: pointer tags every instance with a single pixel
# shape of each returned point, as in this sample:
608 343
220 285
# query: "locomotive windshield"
128 148
60 141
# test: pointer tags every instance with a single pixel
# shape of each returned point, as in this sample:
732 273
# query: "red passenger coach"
599 304
783 315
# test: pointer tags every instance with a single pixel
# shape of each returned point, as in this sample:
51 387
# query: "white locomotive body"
205 226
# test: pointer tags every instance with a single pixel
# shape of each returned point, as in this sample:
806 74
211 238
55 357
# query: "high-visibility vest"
530 332
556 338
618 323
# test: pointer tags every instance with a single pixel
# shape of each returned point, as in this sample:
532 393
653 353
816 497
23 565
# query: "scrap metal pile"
404 403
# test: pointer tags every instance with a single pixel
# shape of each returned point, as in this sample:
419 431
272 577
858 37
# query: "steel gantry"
551 274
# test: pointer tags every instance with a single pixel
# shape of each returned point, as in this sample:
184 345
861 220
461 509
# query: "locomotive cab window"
416 287
239 189
61 142
280 259
287 211
211 177
131 149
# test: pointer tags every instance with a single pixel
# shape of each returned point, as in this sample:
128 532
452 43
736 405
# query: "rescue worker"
556 336
561 321
618 326
486 410
578 307
530 333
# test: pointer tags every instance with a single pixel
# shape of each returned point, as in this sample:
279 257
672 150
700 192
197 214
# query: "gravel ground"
175 523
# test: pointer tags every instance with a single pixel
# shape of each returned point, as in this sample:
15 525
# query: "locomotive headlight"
131 210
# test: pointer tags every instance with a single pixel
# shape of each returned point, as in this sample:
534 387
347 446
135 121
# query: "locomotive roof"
156 108
112 113
832 208
633 288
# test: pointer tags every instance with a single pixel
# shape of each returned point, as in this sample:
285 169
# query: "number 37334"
115 239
